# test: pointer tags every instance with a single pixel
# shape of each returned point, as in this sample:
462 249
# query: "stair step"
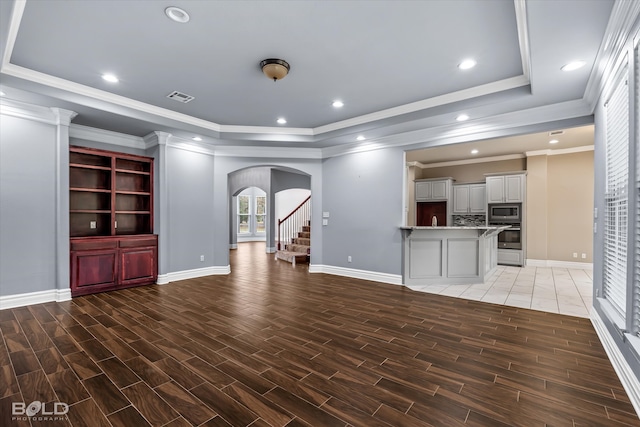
291 256
298 248
306 228
304 234
302 241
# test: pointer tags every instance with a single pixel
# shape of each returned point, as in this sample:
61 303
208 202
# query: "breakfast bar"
449 255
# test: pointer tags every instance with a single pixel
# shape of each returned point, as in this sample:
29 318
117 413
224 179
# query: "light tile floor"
551 289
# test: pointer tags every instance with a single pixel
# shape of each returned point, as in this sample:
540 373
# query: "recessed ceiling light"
474 151
176 14
2 93
197 138
281 121
110 78
338 104
462 117
466 64
553 141
571 66
361 138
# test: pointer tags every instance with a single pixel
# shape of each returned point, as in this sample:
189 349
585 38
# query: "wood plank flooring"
272 345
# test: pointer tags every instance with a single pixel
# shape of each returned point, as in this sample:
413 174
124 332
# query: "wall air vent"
180 97
556 132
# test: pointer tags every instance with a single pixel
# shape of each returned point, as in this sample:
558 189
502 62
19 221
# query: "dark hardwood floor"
270 344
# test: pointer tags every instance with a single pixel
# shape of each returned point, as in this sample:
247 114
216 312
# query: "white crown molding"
268 152
190 145
26 111
523 38
467 161
20 300
461 95
559 264
106 136
14 26
267 130
163 279
550 152
156 138
628 378
473 130
624 16
63 117
374 276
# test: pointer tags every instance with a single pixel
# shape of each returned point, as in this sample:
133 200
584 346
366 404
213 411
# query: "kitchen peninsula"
449 255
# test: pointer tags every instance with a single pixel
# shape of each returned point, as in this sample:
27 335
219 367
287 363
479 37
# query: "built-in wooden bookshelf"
110 220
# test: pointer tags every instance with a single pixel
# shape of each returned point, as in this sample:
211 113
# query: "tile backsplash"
472 220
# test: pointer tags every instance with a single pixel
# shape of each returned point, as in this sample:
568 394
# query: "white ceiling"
392 63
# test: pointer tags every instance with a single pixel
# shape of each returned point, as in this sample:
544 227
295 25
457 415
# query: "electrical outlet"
92 224
349 258
201 258
584 256
575 254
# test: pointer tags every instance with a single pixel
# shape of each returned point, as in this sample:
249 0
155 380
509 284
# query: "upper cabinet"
469 199
433 189
506 188
109 193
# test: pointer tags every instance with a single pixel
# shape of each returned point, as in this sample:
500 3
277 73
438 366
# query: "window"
636 274
261 213
244 218
616 195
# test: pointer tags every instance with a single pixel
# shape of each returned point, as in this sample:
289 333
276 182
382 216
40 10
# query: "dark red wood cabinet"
111 221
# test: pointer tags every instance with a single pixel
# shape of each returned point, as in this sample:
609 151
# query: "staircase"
294 234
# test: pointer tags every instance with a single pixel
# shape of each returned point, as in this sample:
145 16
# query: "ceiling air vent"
556 132
180 97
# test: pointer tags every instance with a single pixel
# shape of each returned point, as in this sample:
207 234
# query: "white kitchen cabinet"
469 199
505 188
435 189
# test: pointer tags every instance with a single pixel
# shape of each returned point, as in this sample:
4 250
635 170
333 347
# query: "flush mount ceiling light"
360 138
553 141
275 69
176 14
462 117
197 138
282 121
110 78
466 64
571 66
474 151
338 104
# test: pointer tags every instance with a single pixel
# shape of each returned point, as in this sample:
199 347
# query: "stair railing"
292 223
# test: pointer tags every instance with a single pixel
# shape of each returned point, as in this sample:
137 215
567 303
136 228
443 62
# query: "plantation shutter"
636 275
616 196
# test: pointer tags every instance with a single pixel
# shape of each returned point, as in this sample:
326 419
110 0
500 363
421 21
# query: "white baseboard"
271 250
233 246
20 300
629 380
559 264
374 276
163 279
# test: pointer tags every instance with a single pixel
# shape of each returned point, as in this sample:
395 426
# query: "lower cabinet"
101 264
510 257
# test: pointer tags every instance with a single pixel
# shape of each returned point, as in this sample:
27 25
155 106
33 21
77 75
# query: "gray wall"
27 206
363 194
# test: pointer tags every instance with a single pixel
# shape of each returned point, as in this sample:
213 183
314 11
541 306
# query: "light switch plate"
325 214
92 224
325 222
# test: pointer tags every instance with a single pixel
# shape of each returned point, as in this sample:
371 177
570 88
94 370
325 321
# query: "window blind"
636 275
616 197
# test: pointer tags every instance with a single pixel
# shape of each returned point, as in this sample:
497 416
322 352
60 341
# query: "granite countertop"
453 227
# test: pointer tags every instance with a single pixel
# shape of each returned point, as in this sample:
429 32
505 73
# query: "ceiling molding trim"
461 95
624 16
266 130
106 136
269 152
188 145
550 152
523 38
23 110
470 161
14 26
473 130
101 95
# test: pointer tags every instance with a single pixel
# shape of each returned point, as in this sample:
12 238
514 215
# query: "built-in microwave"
505 213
